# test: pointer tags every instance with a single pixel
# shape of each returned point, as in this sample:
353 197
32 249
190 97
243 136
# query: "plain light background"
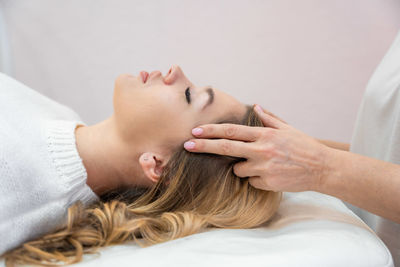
307 61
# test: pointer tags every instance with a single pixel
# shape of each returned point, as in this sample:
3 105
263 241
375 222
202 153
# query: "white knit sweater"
41 172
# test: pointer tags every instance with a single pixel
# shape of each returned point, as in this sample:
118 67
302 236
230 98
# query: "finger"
268 120
259 183
218 146
228 131
244 169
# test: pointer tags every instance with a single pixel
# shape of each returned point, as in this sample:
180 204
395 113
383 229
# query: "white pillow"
309 229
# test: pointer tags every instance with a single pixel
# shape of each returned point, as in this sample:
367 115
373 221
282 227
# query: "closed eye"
187 94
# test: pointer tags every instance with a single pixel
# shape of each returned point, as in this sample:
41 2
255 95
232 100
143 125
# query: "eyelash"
187 94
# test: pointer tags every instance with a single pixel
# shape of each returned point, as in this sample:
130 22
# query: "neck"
105 159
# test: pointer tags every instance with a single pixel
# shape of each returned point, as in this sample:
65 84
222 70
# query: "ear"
152 165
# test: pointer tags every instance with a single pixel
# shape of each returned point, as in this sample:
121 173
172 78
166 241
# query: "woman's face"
163 110
153 117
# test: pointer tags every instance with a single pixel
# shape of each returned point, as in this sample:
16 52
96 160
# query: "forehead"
228 108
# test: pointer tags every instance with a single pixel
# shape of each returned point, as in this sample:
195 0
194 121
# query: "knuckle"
258 169
226 147
229 131
207 129
200 145
259 149
267 149
271 148
268 133
256 135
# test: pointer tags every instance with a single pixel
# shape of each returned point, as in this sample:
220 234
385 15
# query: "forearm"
334 144
368 183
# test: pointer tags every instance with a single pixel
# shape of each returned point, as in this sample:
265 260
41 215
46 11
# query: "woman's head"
155 117
194 192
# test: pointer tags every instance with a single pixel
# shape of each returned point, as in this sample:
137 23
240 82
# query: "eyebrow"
210 92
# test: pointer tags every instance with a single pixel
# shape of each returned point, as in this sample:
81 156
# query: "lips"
144 75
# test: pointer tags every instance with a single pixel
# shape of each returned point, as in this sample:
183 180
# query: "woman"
135 180
365 174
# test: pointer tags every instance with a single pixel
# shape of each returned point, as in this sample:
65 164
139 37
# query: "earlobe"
152 165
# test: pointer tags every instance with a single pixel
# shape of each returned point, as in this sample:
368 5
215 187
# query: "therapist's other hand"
278 156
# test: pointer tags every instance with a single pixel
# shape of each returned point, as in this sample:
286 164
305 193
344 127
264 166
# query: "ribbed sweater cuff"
69 165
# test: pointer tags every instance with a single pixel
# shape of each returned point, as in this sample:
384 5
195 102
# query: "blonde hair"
194 192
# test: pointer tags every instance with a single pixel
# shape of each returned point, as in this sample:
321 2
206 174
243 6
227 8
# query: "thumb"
267 119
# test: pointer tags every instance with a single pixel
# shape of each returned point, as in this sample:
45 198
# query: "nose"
173 75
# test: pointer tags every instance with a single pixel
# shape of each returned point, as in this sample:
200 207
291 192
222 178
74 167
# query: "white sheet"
309 229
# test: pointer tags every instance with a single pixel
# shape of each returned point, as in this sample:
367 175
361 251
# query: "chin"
127 80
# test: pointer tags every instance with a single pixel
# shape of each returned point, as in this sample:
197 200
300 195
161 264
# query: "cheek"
168 121
171 123
173 136
154 113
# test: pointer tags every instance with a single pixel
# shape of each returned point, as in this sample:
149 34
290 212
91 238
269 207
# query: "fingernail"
258 108
197 131
189 145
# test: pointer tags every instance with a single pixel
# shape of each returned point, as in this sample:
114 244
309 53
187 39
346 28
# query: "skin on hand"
278 156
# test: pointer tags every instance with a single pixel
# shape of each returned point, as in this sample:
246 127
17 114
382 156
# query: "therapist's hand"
279 157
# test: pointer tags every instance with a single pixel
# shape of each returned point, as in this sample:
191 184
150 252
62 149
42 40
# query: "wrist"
330 170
